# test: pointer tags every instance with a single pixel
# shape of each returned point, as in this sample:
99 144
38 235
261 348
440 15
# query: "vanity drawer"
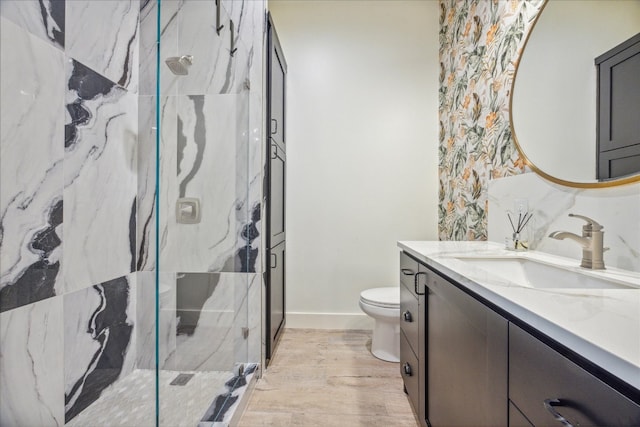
410 371
542 382
408 269
409 316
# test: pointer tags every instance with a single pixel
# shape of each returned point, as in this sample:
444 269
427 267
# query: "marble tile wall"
77 240
68 204
616 208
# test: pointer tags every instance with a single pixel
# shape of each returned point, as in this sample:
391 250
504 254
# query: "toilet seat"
381 297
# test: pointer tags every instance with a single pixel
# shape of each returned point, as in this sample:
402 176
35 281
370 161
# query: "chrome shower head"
179 65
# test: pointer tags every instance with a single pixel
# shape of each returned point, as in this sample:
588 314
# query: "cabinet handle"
407 316
407 369
407 272
274 260
274 124
416 278
549 406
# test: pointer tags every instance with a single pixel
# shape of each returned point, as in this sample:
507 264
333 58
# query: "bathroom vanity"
494 337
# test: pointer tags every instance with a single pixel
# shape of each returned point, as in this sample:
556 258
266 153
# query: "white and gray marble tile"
147 339
214 68
99 341
199 159
44 19
146 177
224 406
31 172
31 360
211 311
100 169
148 45
254 317
616 208
104 36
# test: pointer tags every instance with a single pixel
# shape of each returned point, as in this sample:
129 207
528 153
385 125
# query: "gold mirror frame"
529 163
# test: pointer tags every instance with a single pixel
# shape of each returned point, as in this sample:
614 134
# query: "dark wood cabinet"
275 178
548 387
618 113
466 361
412 316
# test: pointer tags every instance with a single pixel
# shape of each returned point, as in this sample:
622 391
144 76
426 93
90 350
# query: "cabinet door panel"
466 357
537 373
410 371
276 290
409 317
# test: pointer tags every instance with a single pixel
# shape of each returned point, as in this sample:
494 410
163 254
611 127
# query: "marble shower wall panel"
99 340
254 317
148 46
214 70
616 208
31 360
104 36
255 175
203 138
211 311
42 18
100 179
146 177
31 173
146 319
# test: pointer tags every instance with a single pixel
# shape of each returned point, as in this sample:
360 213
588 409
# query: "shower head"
179 65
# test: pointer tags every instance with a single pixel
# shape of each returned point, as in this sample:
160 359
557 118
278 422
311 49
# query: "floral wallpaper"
480 43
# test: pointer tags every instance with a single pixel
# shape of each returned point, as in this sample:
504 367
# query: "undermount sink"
536 274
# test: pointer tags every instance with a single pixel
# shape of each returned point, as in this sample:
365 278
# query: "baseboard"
297 320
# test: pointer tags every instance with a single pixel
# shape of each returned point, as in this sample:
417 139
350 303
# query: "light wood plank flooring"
328 378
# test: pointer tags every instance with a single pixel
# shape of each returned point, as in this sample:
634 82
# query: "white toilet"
383 304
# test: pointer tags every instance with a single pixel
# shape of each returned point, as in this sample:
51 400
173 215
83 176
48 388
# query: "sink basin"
536 274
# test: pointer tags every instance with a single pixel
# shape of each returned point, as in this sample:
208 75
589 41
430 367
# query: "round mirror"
553 104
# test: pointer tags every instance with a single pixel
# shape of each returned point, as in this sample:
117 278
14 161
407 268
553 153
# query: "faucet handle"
592 225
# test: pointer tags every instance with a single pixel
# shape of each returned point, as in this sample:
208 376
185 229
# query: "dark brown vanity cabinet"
546 388
466 360
453 352
412 281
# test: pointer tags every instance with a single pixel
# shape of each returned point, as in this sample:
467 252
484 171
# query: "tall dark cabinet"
275 189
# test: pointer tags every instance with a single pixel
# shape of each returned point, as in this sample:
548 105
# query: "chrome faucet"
591 242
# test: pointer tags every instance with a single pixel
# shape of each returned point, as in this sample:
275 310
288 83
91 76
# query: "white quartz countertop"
602 325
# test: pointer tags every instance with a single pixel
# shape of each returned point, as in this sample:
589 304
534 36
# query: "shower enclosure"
131 168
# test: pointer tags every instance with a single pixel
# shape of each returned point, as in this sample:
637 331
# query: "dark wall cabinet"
618 111
464 364
275 178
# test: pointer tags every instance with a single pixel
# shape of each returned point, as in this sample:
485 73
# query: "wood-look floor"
328 378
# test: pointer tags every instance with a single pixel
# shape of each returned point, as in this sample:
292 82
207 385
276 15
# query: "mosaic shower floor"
131 401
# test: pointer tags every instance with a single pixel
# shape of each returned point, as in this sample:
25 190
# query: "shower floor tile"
130 402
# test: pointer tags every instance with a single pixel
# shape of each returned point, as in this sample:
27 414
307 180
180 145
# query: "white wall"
362 148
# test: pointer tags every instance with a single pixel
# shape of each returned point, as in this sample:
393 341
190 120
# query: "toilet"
383 304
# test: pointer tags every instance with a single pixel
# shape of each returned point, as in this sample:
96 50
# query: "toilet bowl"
383 304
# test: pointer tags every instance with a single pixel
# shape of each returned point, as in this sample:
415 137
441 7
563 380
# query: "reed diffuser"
517 241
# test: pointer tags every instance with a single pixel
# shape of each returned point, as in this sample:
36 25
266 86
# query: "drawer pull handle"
407 272
407 369
407 316
549 406
416 278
